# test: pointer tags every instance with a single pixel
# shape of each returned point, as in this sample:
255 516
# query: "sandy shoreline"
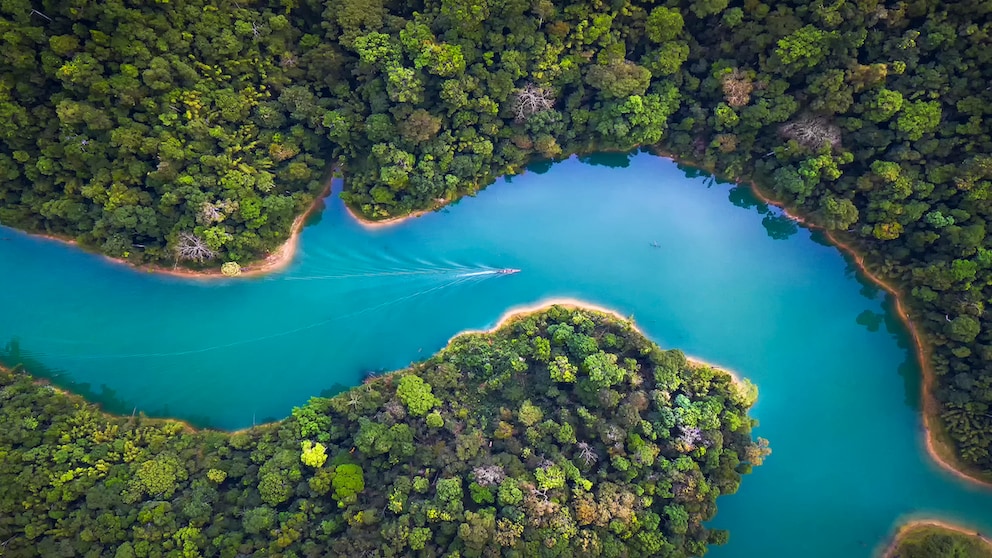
906 528
938 449
278 259
392 221
576 304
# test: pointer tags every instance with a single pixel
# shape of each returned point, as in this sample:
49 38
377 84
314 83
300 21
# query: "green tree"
562 370
314 455
416 394
919 118
664 24
883 104
348 483
804 47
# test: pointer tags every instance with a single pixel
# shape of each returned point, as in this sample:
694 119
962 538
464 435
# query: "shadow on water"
779 227
540 166
692 172
13 356
335 389
317 215
743 197
909 370
613 160
871 320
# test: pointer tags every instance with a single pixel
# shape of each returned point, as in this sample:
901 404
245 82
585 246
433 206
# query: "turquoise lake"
730 281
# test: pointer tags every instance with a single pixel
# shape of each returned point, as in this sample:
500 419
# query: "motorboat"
507 271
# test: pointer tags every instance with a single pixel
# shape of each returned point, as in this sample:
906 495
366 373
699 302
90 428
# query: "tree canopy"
626 457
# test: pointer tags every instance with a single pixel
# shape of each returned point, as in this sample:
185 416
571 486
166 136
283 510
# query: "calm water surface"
730 281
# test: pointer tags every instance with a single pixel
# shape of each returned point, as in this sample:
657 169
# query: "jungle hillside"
563 433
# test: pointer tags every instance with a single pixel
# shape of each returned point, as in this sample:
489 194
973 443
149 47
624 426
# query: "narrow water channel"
700 265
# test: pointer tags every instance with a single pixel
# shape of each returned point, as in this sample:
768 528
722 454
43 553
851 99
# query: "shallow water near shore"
701 266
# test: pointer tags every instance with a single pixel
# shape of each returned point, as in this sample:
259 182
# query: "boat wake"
504 271
449 282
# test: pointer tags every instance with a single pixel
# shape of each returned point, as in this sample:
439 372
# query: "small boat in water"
507 271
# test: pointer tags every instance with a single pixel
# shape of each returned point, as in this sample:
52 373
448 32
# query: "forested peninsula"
564 432
929 539
193 133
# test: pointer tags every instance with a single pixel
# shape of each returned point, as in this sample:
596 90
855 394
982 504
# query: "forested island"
564 432
927 539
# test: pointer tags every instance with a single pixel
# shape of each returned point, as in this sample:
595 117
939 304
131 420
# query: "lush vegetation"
563 433
932 541
195 131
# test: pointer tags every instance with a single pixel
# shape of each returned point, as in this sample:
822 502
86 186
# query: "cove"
700 265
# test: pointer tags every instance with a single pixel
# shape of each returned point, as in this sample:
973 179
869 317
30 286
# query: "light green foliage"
640 120
550 478
926 541
158 477
312 422
542 349
529 414
726 118
372 437
274 488
964 328
434 420
919 118
664 24
562 370
733 17
421 484
510 493
806 46
314 455
667 59
377 49
216 475
619 79
480 494
349 481
419 537
839 214
602 370
883 104
449 491
416 394
678 518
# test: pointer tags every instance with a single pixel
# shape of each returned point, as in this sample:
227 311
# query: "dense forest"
188 131
932 541
563 433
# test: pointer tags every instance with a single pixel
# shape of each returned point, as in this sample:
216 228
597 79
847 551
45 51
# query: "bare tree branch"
193 248
531 100
489 475
587 454
812 132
